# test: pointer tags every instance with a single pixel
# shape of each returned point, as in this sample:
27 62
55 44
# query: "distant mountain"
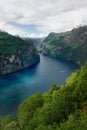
38 42
16 54
71 45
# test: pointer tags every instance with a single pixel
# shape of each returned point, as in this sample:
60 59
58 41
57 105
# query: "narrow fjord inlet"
43 65
18 86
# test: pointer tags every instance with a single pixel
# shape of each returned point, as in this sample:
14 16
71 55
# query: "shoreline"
4 75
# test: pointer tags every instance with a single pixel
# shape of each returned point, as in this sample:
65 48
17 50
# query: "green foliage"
28 108
76 121
42 127
64 103
48 95
12 126
47 114
4 121
11 44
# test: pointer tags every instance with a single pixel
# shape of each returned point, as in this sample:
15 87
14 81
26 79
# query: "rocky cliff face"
70 45
16 54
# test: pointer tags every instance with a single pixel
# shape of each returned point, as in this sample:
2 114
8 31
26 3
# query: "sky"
37 18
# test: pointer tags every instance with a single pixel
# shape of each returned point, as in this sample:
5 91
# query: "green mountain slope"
61 108
16 54
70 45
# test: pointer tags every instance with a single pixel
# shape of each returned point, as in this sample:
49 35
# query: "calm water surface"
16 87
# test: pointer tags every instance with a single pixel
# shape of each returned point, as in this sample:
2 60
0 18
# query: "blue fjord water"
14 88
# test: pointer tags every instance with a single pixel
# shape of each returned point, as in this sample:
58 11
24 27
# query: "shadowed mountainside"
16 54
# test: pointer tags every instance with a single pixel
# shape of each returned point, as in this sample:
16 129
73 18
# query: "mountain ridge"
16 54
70 45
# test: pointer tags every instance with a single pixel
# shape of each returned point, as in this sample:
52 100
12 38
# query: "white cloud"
12 30
47 15
33 35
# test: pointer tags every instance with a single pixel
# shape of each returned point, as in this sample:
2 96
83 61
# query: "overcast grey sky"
40 17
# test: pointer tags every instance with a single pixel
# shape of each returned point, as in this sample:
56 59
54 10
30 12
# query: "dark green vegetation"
61 108
16 54
70 45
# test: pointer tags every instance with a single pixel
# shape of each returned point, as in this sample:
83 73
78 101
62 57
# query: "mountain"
38 42
16 54
71 45
61 108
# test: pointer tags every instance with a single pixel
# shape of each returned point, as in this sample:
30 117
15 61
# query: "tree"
12 126
47 114
76 121
43 127
28 108
6 120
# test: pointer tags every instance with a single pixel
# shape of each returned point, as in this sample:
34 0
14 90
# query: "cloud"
34 35
46 15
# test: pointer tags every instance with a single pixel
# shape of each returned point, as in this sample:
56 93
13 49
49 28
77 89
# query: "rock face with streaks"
16 54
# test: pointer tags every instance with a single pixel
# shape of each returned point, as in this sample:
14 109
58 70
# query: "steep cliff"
70 45
16 54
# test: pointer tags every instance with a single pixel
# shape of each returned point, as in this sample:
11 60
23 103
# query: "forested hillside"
61 108
71 45
16 54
